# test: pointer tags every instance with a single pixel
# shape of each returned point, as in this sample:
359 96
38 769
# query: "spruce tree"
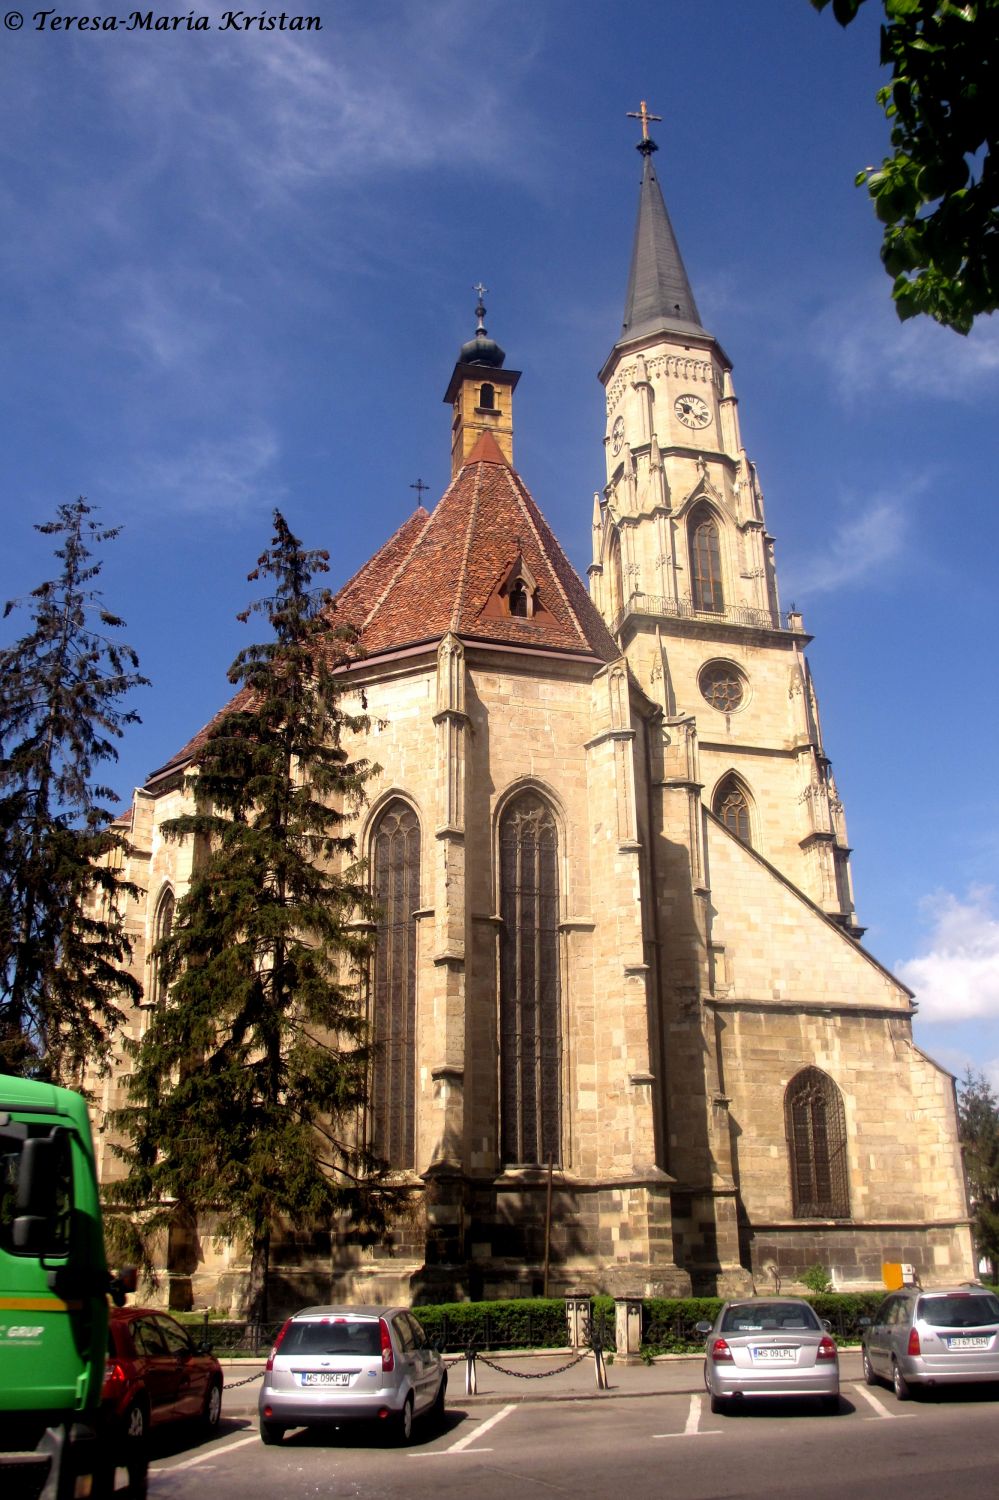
63 947
978 1125
247 1085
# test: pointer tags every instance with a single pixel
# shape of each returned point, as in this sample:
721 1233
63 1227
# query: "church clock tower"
683 573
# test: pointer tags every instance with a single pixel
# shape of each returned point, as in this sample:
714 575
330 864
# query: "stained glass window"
732 806
816 1137
705 563
395 858
530 992
722 685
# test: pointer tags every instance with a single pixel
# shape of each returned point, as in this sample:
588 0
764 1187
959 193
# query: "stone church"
616 954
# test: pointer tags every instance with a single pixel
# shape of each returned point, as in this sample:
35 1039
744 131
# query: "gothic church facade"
616 955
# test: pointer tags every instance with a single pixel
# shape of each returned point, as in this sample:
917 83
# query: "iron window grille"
816 1133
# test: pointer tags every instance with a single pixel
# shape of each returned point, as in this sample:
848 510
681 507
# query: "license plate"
770 1354
962 1341
321 1377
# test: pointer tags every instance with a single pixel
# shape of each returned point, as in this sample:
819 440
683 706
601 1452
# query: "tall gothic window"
816 1138
162 928
530 995
705 562
732 806
395 858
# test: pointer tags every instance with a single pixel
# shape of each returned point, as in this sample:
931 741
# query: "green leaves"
938 193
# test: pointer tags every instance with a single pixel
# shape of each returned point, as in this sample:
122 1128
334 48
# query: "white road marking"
870 1397
693 1427
210 1453
479 1430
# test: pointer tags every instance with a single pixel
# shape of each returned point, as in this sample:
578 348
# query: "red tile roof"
441 570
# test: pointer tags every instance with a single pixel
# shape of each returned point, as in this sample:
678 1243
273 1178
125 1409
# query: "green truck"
54 1287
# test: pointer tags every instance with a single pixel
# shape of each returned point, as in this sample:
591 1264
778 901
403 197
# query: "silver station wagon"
946 1336
344 1364
769 1346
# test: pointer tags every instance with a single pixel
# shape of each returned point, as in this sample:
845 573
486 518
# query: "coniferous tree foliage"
978 1126
63 947
247 1085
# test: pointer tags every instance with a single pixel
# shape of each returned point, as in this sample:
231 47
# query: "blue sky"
238 268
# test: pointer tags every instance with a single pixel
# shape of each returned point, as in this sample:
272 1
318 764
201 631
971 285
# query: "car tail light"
913 1341
827 1349
720 1351
114 1375
388 1358
277 1345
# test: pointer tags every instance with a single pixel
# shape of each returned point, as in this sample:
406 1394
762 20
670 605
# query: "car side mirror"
826 1324
704 1328
864 1322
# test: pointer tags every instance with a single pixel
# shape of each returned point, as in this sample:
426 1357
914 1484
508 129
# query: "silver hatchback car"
344 1364
769 1346
944 1336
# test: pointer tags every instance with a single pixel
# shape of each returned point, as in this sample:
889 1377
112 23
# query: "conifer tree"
978 1126
63 947
246 1086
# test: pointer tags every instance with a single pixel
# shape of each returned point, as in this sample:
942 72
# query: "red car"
156 1373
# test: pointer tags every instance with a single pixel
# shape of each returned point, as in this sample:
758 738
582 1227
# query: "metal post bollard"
599 1367
471 1383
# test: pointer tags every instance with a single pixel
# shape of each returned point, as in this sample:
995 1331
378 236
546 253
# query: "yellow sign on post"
891 1274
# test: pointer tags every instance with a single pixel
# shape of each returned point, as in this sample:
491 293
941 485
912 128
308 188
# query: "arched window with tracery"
530 987
815 1122
162 928
732 806
395 862
705 562
615 577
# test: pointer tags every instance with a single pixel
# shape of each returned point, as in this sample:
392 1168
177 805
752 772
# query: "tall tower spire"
659 296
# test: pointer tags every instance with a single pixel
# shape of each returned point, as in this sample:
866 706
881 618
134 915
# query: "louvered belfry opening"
530 991
816 1135
395 856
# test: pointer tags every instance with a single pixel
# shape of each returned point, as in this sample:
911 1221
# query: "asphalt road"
874 1449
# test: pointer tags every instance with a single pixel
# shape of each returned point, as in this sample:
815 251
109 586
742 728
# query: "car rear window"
775 1315
340 1337
959 1310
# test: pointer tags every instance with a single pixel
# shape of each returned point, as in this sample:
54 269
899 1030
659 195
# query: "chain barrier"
231 1385
533 1374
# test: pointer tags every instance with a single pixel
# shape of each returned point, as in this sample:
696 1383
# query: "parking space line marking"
481 1430
219 1452
447 1452
693 1416
870 1397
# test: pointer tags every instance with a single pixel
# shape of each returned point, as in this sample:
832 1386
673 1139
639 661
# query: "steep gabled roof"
448 579
441 571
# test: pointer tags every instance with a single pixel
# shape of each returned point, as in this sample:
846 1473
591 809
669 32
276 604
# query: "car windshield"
959 1310
773 1317
333 1336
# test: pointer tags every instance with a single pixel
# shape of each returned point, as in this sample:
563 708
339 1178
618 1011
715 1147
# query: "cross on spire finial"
420 488
480 310
646 144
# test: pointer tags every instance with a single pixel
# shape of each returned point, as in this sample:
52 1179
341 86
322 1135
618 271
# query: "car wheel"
869 1376
134 1425
270 1432
719 1404
404 1422
899 1383
212 1409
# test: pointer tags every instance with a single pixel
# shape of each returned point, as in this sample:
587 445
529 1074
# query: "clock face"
692 411
617 435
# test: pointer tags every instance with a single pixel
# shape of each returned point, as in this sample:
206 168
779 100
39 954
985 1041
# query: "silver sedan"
769 1346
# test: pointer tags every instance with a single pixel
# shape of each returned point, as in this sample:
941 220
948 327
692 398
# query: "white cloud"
227 475
957 979
866 348
867 543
